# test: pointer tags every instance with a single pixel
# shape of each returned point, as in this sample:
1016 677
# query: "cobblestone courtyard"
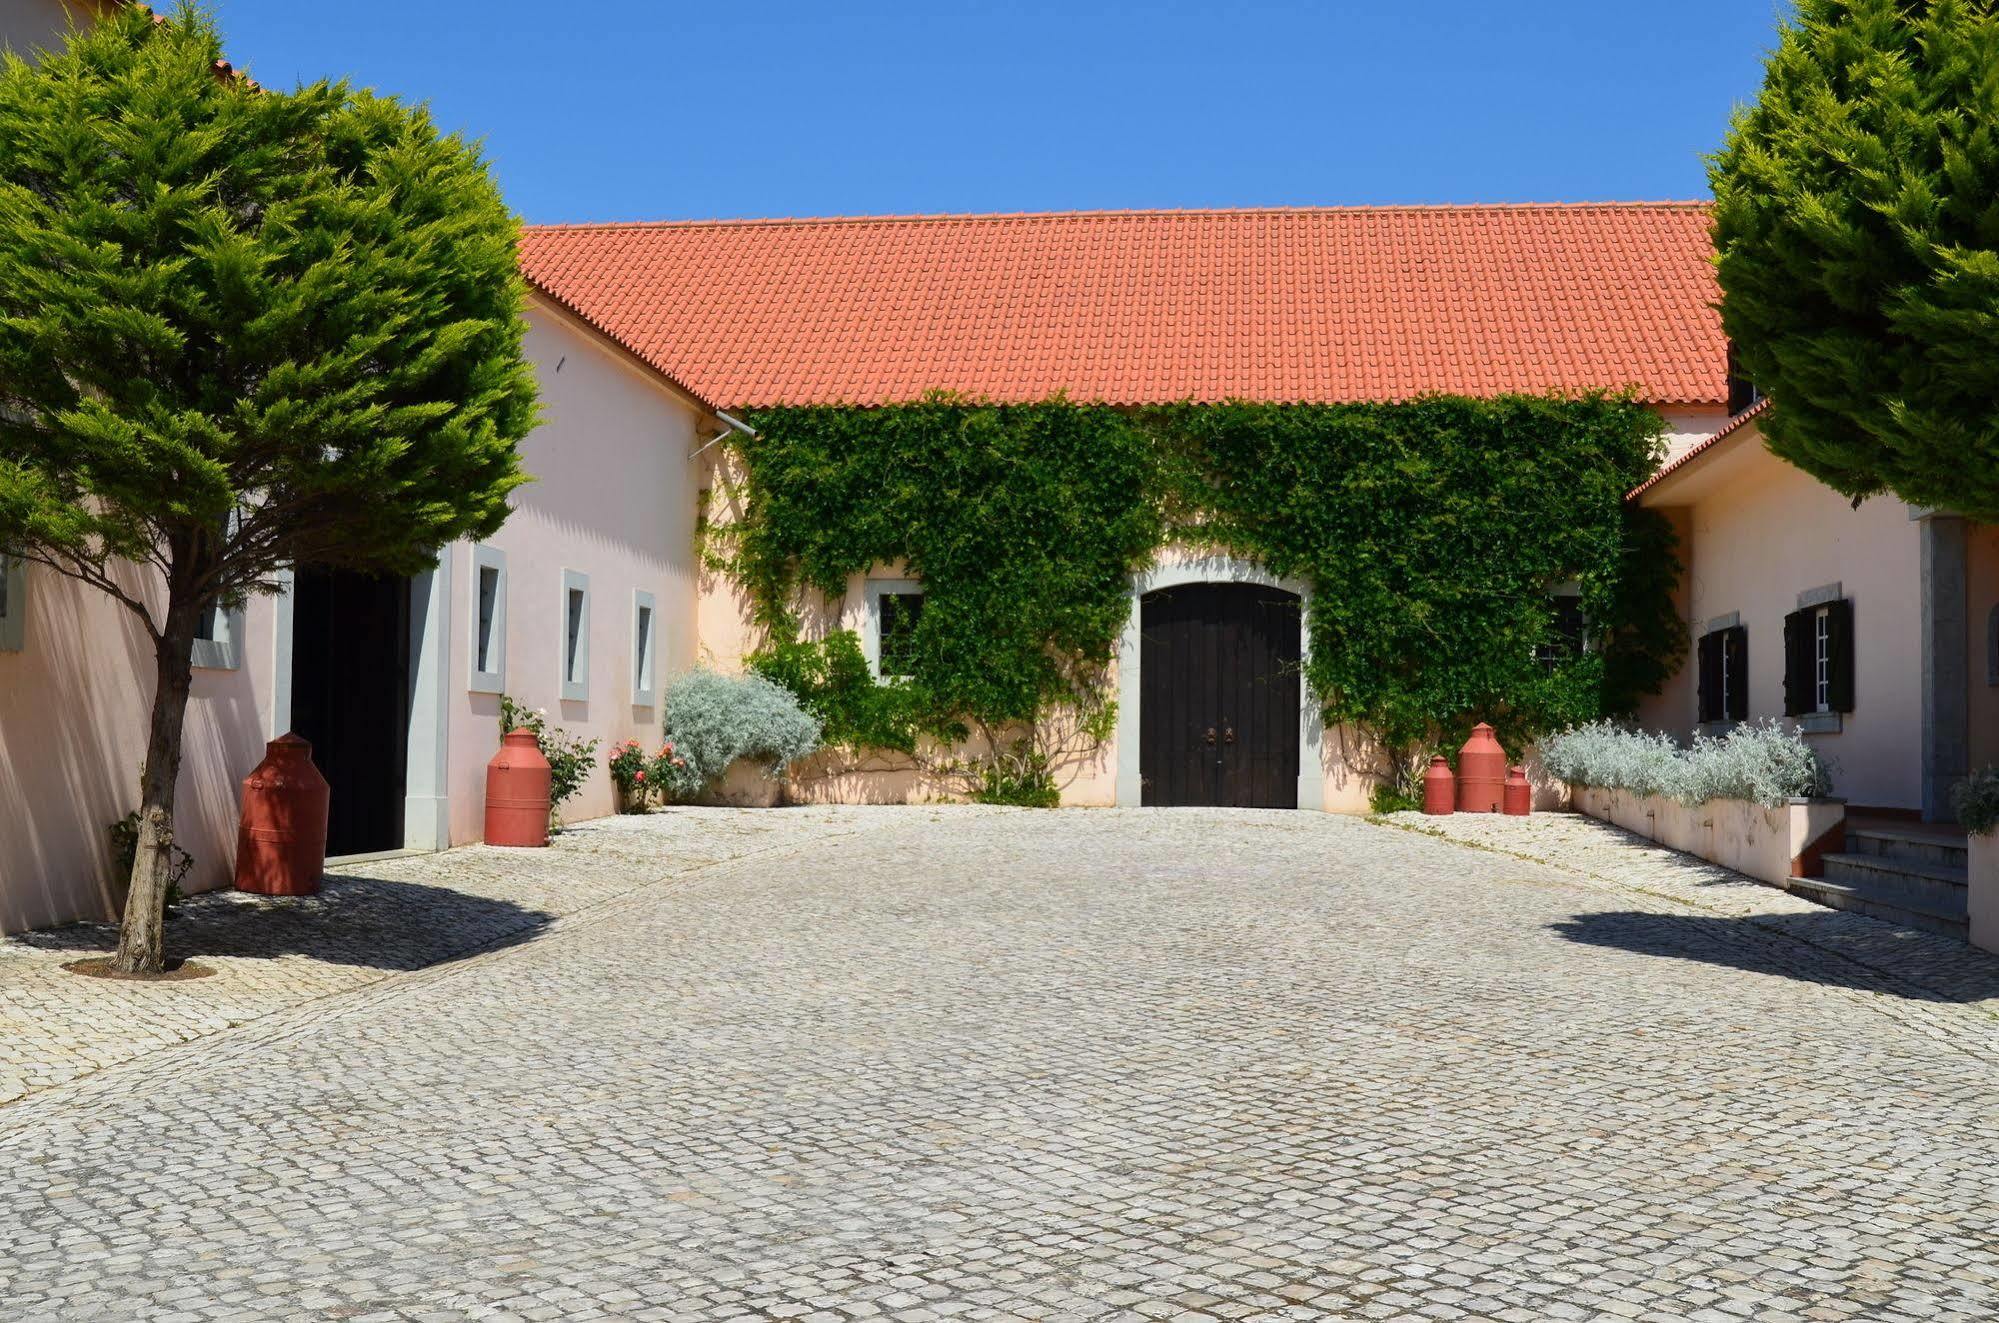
961 1063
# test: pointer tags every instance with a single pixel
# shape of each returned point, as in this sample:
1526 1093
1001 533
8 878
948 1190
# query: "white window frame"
14 619
572 667
871 620
1822 660
492 680
645 649
224 651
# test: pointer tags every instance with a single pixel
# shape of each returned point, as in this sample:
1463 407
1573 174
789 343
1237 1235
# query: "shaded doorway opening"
351 699
1219 694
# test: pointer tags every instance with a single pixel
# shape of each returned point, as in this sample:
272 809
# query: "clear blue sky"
658 108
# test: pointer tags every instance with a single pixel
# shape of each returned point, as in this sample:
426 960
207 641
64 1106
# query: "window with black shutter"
1712 700
1735 672
1837 634
1818 659
1568 630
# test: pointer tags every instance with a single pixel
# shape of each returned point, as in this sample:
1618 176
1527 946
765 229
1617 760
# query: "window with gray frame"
489 621
218 638
1818 659
13 603
575 636
644 614
894 612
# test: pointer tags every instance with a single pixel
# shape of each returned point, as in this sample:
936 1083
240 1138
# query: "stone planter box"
1982 891
1772 845
747 784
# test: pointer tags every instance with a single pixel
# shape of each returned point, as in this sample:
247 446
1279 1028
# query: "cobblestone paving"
371 921
961 1063
1867 953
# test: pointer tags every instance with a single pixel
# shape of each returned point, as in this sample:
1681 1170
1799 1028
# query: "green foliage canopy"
1857 221
1431 532
1025 523
299 309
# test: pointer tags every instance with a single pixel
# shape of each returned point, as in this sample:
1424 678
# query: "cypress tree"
240 330
1857 221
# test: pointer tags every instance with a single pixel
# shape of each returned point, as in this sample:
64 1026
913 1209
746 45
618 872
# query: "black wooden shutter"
1800 664
1736 643
1710 676
1839 642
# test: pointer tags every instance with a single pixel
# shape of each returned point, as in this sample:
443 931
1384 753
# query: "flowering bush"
1763 762
638 777
1976 801
712 720
569 758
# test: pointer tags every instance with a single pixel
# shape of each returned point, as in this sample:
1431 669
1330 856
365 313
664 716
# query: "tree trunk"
141 944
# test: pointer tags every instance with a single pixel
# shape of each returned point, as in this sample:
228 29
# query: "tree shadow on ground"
1827 947
362 921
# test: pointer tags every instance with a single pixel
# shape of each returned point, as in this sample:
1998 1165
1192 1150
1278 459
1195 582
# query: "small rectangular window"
216 636
643 648
1724 674
1822 660
572 648
575 636
1568 631
900 614
13 603
489 606
489 621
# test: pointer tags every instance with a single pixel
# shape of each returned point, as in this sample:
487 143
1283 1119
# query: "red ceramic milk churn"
281 846
1439 787
1517 795
1481 772
518 786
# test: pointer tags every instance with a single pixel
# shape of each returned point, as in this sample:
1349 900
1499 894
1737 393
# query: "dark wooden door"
350 698
1219 689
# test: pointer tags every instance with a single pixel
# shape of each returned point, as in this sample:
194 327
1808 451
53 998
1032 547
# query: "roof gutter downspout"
729 424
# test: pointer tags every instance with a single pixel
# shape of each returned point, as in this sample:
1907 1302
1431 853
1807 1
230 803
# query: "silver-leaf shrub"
712 720
1976 801
1764 762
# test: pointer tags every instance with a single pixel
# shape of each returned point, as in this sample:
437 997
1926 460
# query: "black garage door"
1218 696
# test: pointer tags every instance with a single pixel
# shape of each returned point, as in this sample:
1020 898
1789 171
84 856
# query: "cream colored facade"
1760 538
1339 767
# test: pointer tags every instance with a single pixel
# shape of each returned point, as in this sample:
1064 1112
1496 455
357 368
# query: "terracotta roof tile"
1324 304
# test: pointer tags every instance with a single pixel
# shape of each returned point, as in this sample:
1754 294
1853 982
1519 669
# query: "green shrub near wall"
1430 532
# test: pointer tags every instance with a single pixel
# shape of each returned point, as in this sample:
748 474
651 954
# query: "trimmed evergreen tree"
1857 220
240 330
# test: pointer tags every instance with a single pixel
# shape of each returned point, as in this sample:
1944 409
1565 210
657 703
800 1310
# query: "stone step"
1916 846
1926 896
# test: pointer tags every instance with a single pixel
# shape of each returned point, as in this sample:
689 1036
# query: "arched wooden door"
1219 689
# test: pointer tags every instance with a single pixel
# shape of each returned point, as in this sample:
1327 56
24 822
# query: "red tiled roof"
1729 429
1324 304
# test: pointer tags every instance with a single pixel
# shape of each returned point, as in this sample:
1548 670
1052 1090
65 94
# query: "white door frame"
426 787
1213 569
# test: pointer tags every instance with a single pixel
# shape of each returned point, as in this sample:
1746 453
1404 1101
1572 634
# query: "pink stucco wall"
613 498
1757 532
73 710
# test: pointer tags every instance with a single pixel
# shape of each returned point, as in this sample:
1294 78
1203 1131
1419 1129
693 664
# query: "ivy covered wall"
1431 532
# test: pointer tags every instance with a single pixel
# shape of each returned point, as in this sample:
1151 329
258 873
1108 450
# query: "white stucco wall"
1756 532
613 498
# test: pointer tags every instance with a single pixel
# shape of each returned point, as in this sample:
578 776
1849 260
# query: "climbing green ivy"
1430 531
